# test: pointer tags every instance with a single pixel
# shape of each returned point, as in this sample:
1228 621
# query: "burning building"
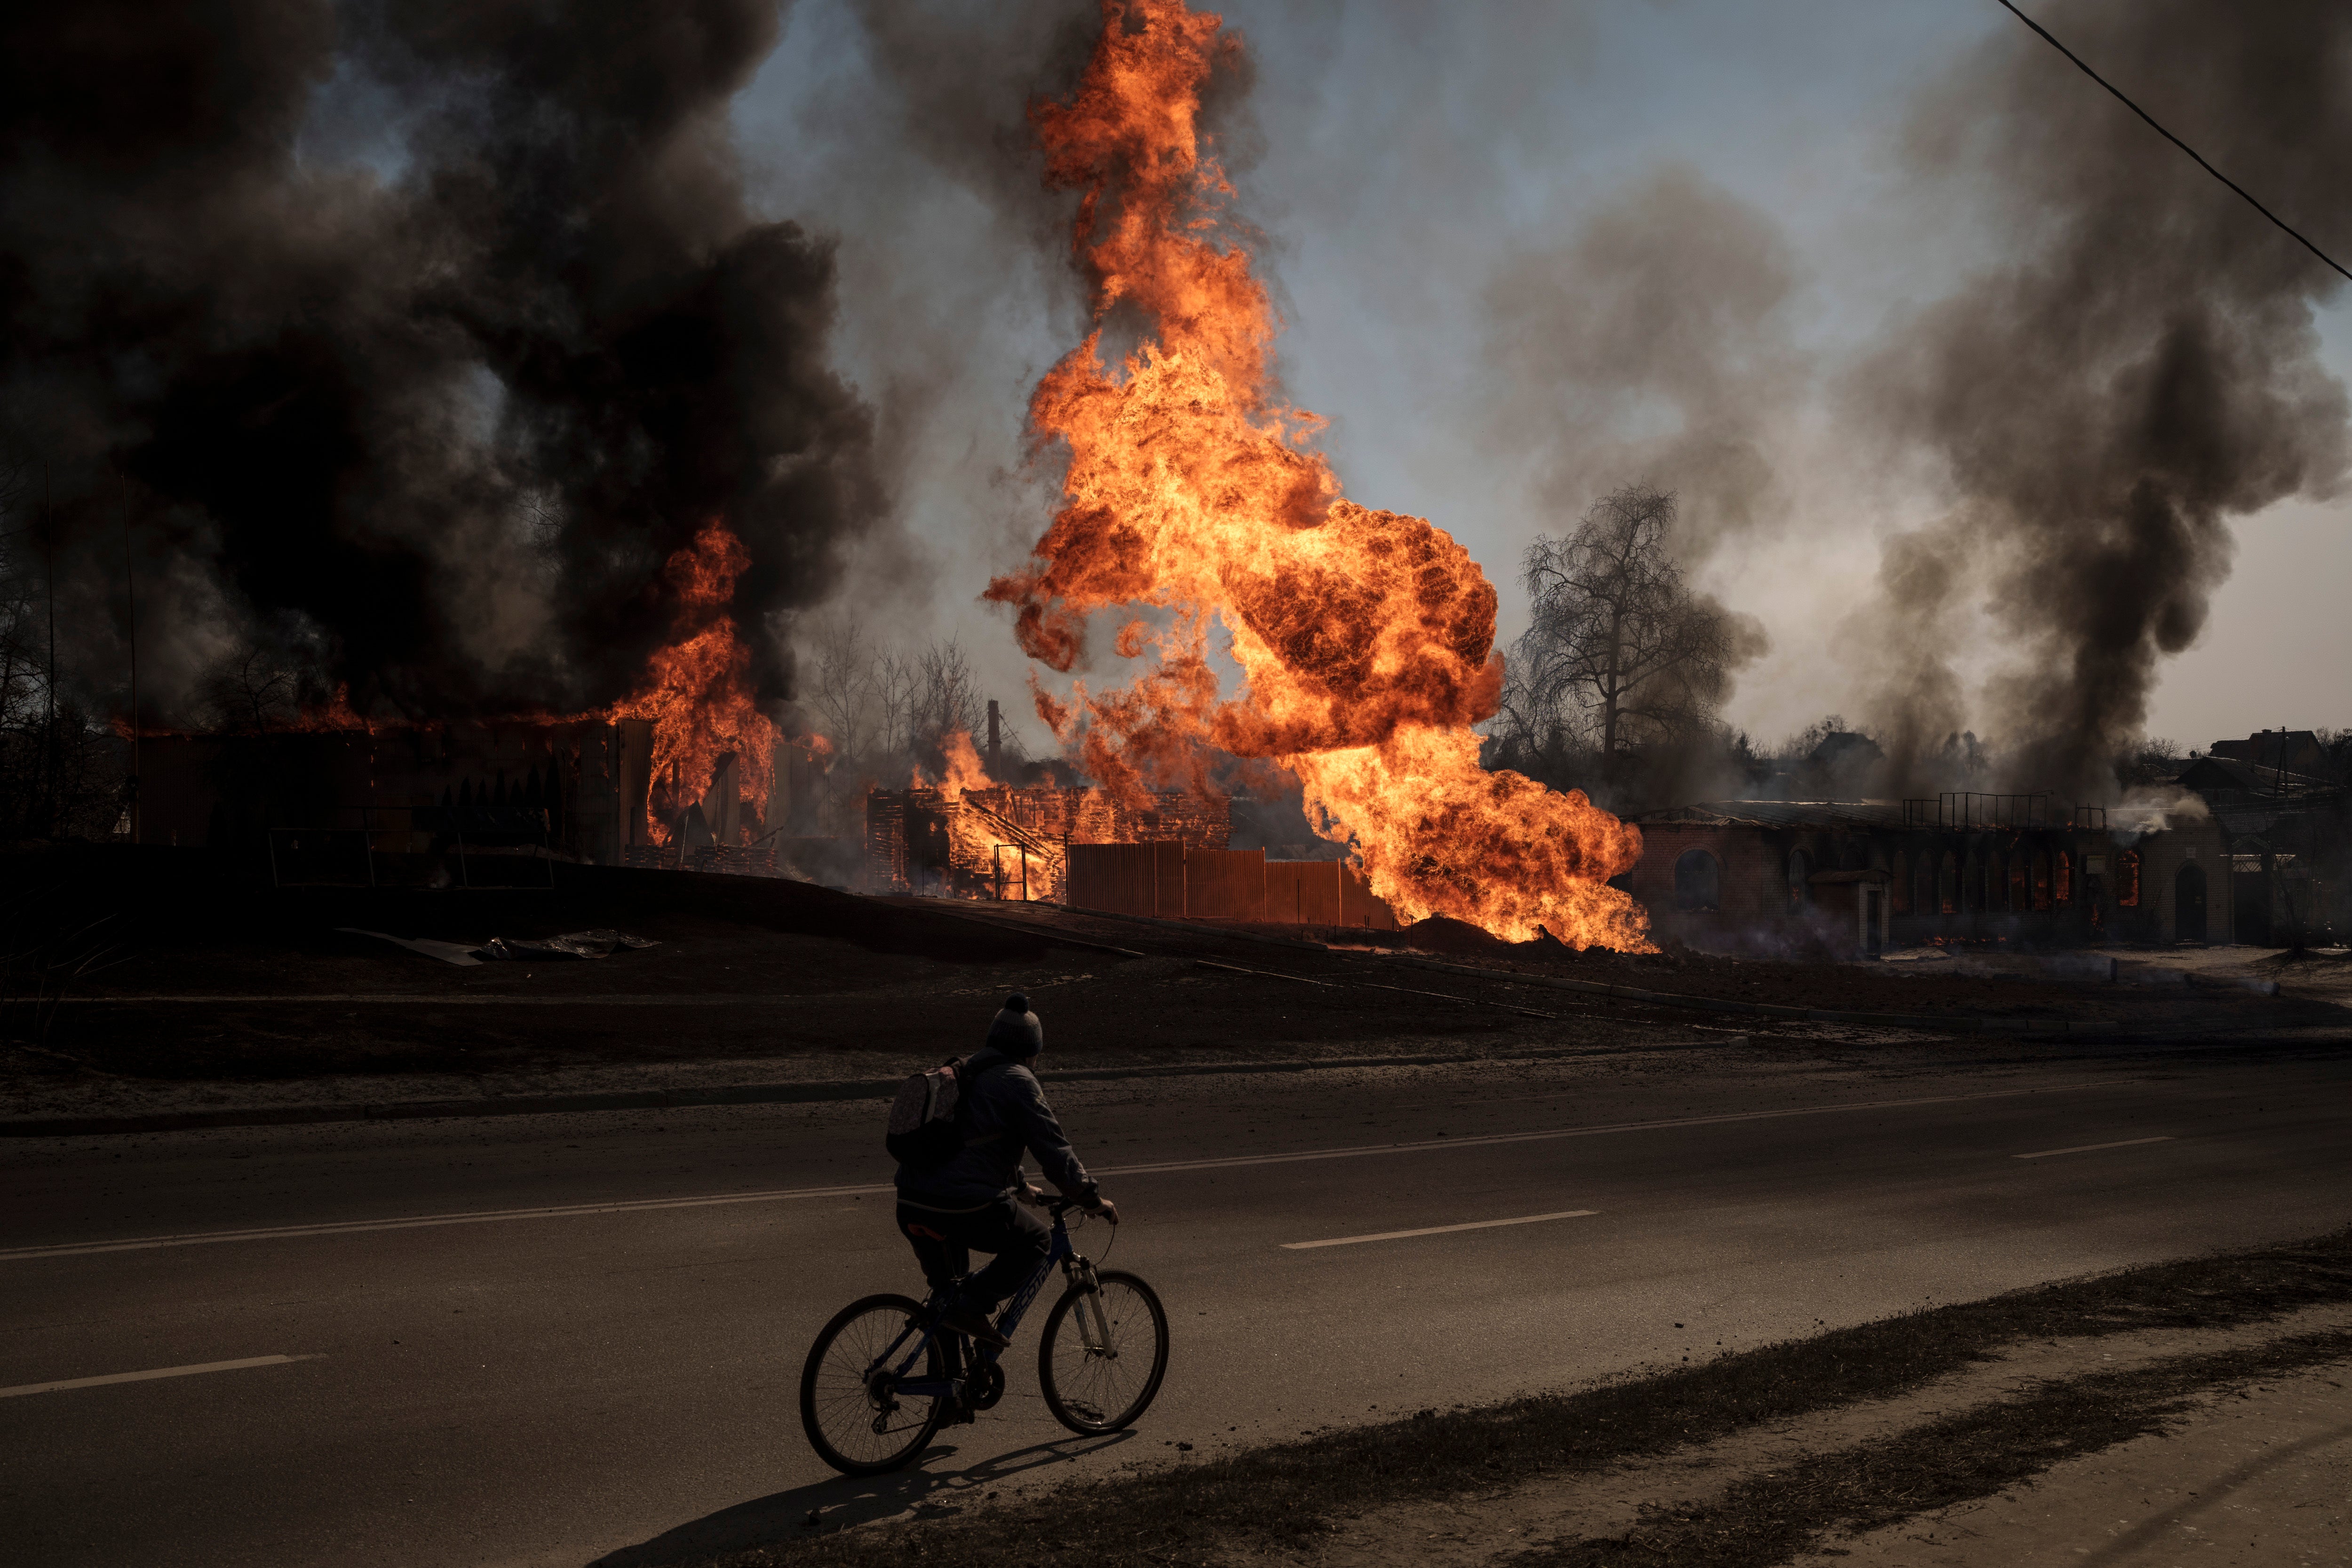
1168 856
1005 842
437 805
1858 877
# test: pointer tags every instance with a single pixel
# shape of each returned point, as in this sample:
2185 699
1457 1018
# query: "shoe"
965 1320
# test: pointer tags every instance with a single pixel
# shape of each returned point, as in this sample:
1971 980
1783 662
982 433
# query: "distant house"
2223 775
2288 829
2293 750
1858 876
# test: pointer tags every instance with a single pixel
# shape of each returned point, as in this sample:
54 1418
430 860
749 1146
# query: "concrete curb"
1949 1024
1189 928
806 1092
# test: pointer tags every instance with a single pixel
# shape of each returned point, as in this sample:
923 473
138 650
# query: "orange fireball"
1366 637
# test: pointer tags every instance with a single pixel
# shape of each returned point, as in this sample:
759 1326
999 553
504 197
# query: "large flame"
1366 637
964 769
698 690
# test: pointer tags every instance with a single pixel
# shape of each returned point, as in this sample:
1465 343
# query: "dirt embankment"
201 980
2219 1003
196 978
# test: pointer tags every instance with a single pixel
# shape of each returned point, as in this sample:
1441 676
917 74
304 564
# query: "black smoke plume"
2144 368
416 333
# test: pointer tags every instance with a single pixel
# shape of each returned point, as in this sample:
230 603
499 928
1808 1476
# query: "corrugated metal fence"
1173 881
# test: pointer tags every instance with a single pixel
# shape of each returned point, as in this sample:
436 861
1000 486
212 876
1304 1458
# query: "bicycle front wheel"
856 1418
1104 1353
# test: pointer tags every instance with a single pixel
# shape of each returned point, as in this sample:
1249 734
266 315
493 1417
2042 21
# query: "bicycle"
866 1411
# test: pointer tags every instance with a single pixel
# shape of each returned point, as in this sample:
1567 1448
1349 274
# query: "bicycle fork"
1094 1323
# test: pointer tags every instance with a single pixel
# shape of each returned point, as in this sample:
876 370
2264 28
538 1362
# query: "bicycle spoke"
1106 1355
849 1398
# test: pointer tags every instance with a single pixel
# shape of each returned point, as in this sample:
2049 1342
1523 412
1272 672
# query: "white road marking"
1437 1229
424 1222
2091 1148
784 1194
65 1383
1489 1139
461 999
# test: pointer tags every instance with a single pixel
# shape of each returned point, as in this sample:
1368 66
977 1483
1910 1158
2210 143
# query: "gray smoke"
423 332
2142 369
1651 346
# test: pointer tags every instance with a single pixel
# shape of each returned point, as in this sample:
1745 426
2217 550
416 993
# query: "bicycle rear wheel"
856 1418
1099 1372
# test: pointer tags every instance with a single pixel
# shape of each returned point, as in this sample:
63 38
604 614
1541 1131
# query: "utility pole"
993 770
130 593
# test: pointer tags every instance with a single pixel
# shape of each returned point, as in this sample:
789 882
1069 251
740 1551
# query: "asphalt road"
559 1339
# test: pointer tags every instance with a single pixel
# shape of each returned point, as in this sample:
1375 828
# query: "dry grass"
1282 1498
1767 1519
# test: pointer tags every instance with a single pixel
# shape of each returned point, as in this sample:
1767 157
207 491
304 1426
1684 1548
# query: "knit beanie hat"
1015 1030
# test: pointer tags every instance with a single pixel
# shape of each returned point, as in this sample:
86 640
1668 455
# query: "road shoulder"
1757 1457
2256 1475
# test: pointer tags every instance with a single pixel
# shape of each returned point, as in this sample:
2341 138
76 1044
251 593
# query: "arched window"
1800 867
2127 879
1971 886
1947 886
2062 886
1699 880
1996 895
2021 892
2042 879
1899 891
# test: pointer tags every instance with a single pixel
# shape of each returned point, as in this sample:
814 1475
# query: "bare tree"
1617 639
886 709
2155 759
896 683
251 689
845 686
946 699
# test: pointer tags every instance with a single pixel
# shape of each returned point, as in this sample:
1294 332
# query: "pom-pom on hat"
1015 1031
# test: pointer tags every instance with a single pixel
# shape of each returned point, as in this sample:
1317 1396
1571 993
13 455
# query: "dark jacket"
1007 1114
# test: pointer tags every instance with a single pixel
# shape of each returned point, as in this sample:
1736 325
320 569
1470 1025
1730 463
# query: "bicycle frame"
1091 1322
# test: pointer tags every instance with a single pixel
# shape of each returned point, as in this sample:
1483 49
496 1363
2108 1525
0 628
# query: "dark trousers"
944 1243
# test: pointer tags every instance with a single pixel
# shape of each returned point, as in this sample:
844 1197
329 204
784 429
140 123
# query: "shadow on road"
851 1499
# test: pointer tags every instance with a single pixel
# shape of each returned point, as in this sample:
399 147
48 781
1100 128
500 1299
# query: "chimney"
993 770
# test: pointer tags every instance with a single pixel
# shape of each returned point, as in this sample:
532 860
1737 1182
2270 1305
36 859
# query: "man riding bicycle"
975 1199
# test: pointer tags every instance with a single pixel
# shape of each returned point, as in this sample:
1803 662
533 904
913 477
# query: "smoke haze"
424 332
2143 366
1652 346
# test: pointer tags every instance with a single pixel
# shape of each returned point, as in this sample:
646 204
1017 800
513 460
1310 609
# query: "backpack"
926 1121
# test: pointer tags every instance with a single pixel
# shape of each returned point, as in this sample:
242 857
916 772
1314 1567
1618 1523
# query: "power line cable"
2168 136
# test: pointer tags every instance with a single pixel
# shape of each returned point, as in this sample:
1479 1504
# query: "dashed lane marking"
2091 1148
1437 1229
785 1194
61 1385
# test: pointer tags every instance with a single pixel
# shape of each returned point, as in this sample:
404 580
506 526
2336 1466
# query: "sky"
1402 164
